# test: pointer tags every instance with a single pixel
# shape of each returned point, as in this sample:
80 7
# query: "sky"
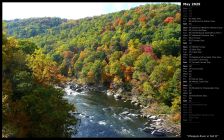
63 10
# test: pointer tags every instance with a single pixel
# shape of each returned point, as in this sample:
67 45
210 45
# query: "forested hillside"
137 50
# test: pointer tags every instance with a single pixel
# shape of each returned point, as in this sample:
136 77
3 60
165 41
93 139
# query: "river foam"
102 122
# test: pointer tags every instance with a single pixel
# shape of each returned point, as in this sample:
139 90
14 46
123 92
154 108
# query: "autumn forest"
136 50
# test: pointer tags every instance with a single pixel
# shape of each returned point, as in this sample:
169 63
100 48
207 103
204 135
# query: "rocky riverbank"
157 125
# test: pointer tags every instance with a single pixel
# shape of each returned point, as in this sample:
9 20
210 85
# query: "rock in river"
109 93
158 120
125 113
117 96
152 117
148 129
78 90
136 104
158 133
147 123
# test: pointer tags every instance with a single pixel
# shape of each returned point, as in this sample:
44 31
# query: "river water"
103 116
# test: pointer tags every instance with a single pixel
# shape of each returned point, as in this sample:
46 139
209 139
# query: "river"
103 116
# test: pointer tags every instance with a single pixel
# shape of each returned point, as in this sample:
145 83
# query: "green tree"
166 47
27 46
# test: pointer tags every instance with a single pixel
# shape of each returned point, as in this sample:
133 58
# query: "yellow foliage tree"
44 69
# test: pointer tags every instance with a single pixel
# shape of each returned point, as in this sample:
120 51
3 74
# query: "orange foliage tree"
44 68
169 19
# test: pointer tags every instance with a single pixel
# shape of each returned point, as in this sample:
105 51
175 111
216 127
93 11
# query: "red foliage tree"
142 18
148 50
130 23
169 19
118 21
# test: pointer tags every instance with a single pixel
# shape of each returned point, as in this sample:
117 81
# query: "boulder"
158 133
148 129
158 123
152 117
119 91
150 121
144 116
74 86
136 104
75 113
125 113
92 89
78 90
147 124
134 115
133 102
158 120
117 96
109 93
152 125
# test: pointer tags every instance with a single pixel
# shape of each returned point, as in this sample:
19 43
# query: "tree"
44 69
115 56
177 18
97 70
115 68
142 18
130 23
128 59
166 47
133 44
144 63
124 39
169 19
9 48
27 47
118 22
164 71
147 89
66 66
57 58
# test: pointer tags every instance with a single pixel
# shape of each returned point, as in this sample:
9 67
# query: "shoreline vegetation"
135 54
